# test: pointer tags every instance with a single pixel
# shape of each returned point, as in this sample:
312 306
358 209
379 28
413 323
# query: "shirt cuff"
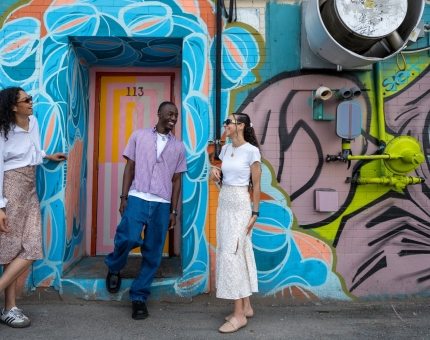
128 157
43 153
3 202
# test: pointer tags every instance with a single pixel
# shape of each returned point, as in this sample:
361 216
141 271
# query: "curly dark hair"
8 99
248 131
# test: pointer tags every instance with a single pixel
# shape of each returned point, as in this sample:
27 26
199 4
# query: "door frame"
96 131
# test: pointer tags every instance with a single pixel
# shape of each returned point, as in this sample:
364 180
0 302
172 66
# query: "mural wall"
375 243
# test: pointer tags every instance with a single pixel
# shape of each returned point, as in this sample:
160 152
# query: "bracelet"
256 213
175 212
124 196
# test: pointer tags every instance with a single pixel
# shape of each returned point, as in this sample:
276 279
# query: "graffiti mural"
394 229
296 145
379 236
377 240
70 37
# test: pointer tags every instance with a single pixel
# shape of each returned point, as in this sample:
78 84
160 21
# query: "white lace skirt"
236 272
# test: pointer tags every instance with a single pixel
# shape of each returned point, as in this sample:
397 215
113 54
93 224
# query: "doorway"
125 102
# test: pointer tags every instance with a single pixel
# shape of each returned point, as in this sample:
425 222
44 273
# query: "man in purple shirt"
150 194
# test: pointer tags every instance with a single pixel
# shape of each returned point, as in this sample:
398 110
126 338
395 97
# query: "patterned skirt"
24 239
236 272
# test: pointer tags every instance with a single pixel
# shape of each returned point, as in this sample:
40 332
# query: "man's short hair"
163 104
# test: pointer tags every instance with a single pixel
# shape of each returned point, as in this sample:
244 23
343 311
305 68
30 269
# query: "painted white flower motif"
18 40
64 21
150 18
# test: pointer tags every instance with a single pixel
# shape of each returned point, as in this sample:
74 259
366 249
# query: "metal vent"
357 33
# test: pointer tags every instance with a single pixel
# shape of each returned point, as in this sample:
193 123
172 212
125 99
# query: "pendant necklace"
163 137
234 149
232 152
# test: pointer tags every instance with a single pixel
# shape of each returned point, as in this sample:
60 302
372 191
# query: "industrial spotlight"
323 93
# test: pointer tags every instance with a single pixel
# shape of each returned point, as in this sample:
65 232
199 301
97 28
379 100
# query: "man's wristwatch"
174 212
256 213
124 196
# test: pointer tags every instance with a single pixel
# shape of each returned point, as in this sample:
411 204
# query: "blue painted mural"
70 39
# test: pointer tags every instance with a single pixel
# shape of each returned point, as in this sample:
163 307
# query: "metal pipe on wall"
218 45
229 15
377 73
377 78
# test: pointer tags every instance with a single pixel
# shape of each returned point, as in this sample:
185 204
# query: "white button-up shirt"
21 148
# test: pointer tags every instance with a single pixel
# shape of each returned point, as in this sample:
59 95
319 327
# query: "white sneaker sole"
16 325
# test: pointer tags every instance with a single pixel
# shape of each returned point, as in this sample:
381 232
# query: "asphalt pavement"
55 317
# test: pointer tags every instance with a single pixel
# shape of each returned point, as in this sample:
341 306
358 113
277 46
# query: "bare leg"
10 293
246 304
12 271
238 312
246 308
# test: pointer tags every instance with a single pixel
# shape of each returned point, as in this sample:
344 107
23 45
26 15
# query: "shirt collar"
31 125
154 130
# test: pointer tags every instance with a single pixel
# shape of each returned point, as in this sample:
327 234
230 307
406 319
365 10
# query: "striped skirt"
24 239
236 271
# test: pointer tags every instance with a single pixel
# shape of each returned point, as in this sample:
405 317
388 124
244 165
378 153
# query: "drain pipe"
377 77
377 73
217 140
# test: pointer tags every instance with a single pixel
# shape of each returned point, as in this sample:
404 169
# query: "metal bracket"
317 110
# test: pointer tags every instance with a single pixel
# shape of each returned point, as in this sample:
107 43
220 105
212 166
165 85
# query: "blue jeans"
155 216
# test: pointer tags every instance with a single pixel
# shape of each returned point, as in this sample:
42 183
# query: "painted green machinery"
398 182
400 156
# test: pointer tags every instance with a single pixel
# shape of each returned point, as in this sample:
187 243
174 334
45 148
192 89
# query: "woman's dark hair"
248 132
8 99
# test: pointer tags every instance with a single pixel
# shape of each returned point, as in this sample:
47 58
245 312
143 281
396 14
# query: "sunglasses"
26 100
230 121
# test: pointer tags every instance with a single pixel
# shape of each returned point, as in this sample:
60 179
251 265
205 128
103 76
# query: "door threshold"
87 280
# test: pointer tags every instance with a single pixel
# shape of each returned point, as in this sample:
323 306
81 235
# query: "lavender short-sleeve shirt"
154 175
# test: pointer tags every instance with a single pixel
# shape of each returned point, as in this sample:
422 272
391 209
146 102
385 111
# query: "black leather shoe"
113 282
140 311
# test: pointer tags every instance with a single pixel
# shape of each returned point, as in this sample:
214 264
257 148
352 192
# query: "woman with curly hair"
236 271
20 218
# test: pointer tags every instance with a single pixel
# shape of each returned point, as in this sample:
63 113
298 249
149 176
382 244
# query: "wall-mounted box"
326 200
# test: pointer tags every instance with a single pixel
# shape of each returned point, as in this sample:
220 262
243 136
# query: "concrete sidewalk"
200 318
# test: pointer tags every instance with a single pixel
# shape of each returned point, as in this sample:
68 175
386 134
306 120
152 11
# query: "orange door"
126 103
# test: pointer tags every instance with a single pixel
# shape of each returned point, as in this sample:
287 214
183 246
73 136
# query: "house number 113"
135 93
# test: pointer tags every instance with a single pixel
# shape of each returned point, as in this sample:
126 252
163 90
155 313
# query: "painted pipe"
356 92
323 93
230 14
377 76
218 80
372 157
379 99
398 182
407 157
406 180
344 93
